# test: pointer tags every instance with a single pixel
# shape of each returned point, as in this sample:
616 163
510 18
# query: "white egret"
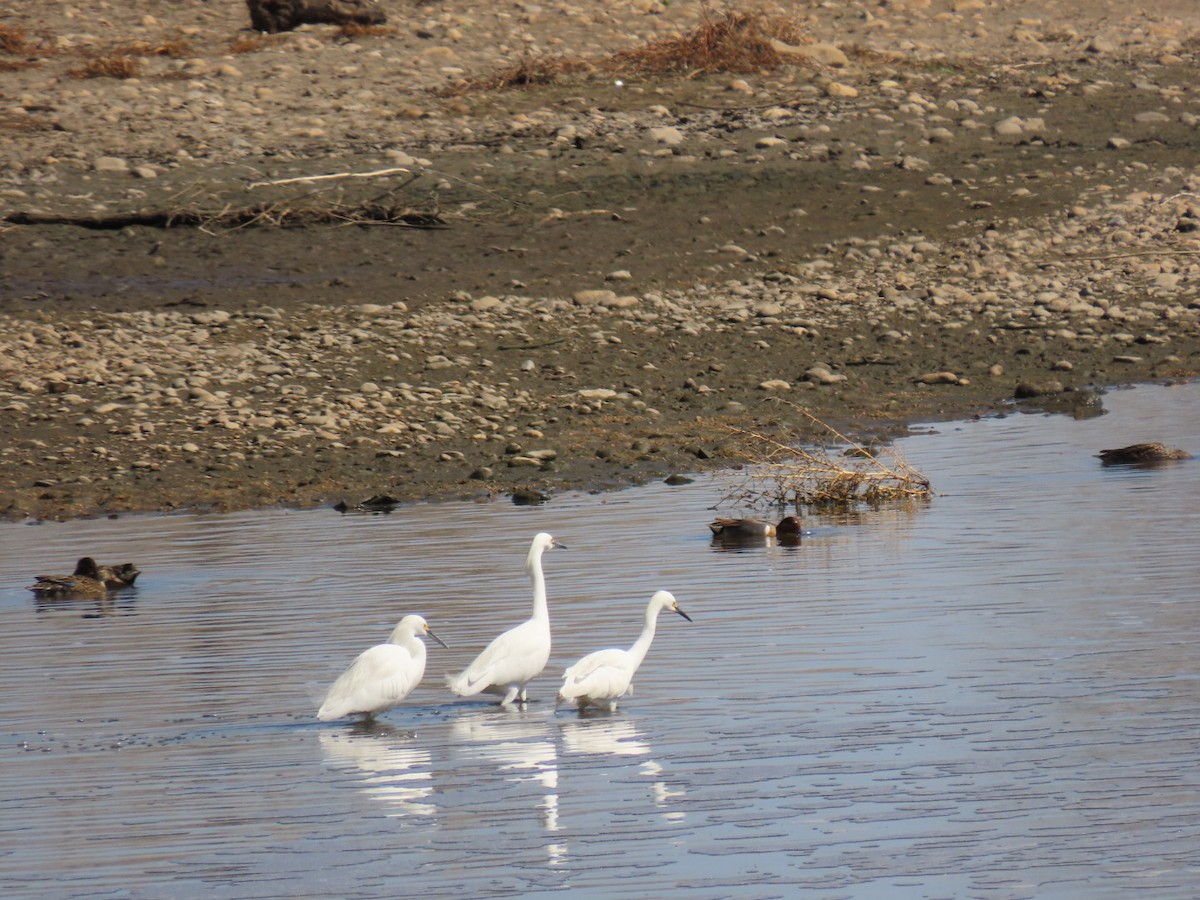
382 675
603 677
517 656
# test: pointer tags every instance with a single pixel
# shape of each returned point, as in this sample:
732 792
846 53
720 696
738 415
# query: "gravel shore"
957 205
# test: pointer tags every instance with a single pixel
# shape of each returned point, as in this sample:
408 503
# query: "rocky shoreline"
620 276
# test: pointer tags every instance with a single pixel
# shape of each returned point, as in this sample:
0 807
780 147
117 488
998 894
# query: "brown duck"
86 581
117 577
789 526
1141 453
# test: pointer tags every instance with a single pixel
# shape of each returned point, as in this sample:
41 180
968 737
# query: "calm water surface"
992 695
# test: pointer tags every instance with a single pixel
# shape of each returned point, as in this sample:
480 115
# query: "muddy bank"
614 274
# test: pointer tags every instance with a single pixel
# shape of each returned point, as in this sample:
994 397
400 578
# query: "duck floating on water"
88 580
789 526
1151 452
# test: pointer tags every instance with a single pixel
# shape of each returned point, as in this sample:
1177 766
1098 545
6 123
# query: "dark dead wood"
273 16
273 214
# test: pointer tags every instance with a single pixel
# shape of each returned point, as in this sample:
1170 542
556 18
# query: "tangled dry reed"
779 471
733 42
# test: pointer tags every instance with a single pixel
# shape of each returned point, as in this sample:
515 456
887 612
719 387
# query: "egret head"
666 600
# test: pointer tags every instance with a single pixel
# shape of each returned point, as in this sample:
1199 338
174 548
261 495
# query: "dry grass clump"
13 39
531 70
734 42
115 65
16 42
780 472
255 41
353 30
175 48
16 65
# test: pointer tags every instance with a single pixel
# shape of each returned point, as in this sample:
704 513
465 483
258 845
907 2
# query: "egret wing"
603 674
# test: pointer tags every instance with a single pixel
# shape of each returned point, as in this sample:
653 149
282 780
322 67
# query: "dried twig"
304 179
780 472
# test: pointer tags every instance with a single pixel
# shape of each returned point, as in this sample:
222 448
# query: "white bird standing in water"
382 675
517 656
603 677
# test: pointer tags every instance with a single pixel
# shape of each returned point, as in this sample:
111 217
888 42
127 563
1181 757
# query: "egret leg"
511 695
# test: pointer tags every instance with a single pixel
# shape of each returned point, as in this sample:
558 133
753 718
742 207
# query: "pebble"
110 164
666 134
822 375
838 90
937 378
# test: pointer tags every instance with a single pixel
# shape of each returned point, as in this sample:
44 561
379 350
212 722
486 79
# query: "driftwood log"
273 16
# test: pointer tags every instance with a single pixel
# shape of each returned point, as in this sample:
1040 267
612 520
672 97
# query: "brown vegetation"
530 70
779 471
14 41
734 42
115 65
255 41
353 30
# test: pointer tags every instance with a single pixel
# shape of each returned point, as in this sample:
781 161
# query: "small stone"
110 164
1010 127
666 134
937 378
821 54
1027 389
775 384
822 375
593 297
838 90
1063 365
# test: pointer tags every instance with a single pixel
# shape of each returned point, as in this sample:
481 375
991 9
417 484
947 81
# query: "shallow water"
991 695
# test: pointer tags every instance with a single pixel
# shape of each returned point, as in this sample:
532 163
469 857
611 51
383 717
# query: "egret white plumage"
382 675
517 656
603 677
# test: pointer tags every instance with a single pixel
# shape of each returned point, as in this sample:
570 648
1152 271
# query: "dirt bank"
581 284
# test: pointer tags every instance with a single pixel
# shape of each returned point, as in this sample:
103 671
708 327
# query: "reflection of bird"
790 526
601 678
603 736
86 581
394 773
382 675
1142 453
517 656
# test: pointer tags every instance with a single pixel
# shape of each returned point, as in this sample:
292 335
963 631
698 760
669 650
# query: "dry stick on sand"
303 179
780 472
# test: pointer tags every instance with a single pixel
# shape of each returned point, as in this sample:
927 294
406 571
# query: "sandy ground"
958 200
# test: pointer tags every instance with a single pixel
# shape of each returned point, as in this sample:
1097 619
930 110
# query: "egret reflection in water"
395 773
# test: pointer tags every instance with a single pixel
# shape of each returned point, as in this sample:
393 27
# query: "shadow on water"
991 694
